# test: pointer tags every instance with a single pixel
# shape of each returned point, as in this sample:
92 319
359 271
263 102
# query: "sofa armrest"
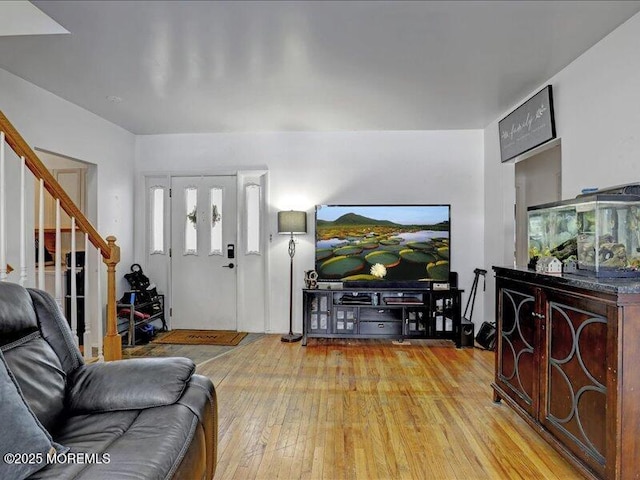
200 398
128 384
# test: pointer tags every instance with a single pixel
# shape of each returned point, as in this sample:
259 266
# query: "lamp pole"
291 222
291 337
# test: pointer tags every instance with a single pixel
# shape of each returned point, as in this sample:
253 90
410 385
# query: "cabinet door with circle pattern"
573 390
517 344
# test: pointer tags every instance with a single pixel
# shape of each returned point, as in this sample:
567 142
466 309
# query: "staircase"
109 347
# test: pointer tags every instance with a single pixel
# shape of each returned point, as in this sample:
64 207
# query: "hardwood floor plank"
368 409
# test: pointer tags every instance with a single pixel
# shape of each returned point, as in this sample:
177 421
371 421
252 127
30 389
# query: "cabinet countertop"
605 285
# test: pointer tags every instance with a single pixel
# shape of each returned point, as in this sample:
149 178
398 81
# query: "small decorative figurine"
311 279
549 265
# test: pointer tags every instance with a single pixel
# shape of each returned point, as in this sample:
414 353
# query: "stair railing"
106 249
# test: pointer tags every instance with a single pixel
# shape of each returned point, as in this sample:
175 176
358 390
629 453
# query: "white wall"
50 123
596 102
307 168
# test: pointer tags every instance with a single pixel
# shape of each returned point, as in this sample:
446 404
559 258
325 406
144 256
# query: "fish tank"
599 234
552 231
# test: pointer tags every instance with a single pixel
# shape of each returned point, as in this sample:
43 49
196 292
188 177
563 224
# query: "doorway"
78 179
203 252
538 180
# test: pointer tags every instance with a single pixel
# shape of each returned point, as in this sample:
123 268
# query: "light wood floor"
197 353
369 410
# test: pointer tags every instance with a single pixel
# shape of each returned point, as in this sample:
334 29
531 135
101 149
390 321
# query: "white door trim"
244 176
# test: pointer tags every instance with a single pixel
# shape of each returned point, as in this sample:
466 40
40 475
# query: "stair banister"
109 250
112 341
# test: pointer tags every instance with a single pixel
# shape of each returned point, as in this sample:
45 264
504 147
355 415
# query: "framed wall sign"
529 125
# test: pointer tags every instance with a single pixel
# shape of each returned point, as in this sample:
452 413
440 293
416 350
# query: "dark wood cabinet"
574 407
518 344
382 313
566 360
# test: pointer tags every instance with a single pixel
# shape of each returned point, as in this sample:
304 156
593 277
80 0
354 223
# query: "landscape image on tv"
397 243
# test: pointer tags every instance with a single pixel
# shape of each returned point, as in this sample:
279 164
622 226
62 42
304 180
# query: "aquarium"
599 233
552 231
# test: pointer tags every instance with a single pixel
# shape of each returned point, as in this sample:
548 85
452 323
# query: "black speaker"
79 281
80 316
467 334
79 259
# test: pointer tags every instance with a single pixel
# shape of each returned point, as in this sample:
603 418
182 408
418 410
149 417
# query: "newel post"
112 341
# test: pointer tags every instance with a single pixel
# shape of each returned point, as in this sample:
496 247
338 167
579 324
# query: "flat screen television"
399 245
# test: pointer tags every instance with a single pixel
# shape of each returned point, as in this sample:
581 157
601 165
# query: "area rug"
202 337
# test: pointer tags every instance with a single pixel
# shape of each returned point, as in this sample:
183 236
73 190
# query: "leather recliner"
150 418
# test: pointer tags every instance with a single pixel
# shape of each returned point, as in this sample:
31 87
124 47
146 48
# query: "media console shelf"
382 313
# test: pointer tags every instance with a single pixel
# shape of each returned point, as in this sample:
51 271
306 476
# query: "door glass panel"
215 214
190 221
157 219
252 194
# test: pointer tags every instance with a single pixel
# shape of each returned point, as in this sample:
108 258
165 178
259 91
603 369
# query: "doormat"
202 337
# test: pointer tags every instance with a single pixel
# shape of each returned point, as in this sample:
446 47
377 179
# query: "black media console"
401 313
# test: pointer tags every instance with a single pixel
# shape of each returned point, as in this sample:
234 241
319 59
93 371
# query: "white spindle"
74 288
99 308
58 259
86 340
3 222
41 237
23 222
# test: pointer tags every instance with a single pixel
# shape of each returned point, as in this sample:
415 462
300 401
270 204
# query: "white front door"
203 242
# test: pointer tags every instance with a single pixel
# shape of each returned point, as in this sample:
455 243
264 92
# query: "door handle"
231 265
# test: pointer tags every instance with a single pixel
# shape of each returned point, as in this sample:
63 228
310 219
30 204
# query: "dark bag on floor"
145 292
486 337
137 279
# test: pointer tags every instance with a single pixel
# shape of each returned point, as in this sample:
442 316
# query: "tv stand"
395 313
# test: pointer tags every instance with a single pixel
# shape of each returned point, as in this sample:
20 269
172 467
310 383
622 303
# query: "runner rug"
201 337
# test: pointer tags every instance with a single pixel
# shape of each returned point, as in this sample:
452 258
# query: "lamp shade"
292 222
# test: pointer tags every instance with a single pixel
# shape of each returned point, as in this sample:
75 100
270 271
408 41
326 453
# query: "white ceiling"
23 18
204 66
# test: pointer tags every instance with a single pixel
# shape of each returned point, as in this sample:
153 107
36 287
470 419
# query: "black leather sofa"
147 418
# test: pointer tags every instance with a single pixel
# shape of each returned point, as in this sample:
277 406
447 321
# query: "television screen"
391 243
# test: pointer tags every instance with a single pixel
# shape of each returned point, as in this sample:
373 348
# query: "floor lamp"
291 223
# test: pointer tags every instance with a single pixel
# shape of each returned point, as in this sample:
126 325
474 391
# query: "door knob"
231 265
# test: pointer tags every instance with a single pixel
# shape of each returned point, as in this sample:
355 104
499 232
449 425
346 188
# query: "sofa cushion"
40 376
133 444
22 432
16 312
128 384
54 328
31 359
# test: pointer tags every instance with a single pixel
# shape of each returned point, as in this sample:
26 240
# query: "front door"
203 240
